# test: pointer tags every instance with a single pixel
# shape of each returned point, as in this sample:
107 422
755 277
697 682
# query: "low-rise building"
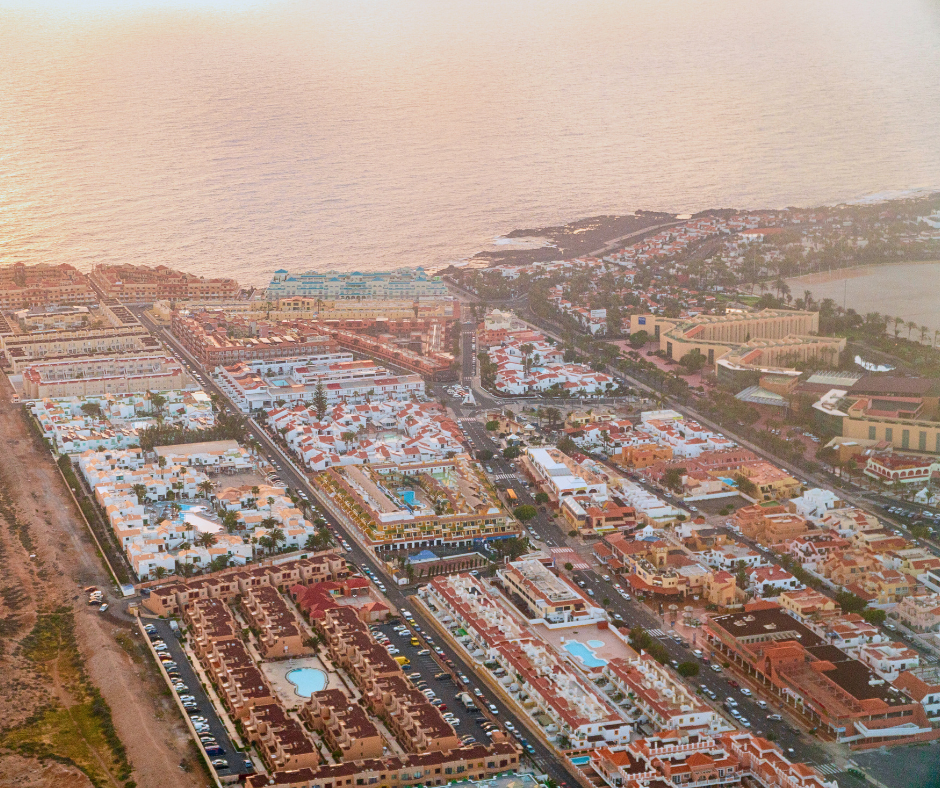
90 376
547 595
920 612
141 284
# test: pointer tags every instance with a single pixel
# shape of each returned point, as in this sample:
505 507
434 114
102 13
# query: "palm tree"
206 539
277 536
910 325
230 521
898 322
159 573
265 544
140 491
924 333
205 487
268 523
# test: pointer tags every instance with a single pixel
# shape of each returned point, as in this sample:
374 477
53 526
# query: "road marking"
656 633
503 477
827 768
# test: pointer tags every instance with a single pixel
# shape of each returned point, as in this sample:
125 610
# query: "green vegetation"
541 498
511 452
688 669
641 640
484 455
227 427
524 513
79 731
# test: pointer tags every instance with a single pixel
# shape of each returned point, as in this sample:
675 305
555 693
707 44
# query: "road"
238 765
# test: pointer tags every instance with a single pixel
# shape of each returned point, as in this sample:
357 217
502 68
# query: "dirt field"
47 686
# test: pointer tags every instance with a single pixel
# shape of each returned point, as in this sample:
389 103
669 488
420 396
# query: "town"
628 520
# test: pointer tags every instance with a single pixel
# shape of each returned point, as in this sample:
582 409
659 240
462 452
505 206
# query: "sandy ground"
64 562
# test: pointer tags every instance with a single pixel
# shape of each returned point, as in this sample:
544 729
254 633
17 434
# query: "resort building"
407 505
264 384
89 376
815 679
212 346
567 706
557 475
547 595
901 469
312 308
375 432
24 286
400 284
141 284
744 344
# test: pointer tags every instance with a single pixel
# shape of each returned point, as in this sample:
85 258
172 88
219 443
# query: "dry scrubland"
80 701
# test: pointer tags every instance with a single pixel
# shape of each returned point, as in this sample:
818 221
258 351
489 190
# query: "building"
344 725
807 604
575 712
901 469
559 476
920 612
112 330
815 679
696 759
141 284
923 685
264 384
52 317
742 345
401 284
212 346
90 376
434 364
24 286
547 595
407 505
312 308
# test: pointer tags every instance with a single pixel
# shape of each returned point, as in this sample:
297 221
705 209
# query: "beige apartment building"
85 376
769 339
905 422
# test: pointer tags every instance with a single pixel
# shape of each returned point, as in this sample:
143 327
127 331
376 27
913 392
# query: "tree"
320 404
205 487
92 409
140 491
511 452
159 573
207 540
874 616
277 536
693 361
265 543
525 513
567 445
484 455
157 402
745 485
541 498
553 416
638 339
230 521
741 575
569 566
672 478
492 426
688 669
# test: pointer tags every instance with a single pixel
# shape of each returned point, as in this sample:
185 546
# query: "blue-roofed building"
403 283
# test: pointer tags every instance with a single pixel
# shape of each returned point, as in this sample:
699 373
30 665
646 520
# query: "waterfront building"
141 284
403 283
24 286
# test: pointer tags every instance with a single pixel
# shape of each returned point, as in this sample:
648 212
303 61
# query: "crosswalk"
656 633
504 477
826 768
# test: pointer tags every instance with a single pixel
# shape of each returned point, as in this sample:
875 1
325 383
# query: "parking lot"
424 672
237 763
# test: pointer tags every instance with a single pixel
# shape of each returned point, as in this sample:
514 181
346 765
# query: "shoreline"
851 272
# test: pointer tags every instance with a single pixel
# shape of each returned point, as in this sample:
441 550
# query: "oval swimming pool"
306 681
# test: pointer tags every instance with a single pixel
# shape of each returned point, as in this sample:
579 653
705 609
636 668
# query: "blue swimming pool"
408 496
306 681
581 760
585 654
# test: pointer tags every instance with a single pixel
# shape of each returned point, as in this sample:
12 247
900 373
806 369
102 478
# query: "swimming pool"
581 760
306 681
596 643
408 496
191 507
585 654
201 524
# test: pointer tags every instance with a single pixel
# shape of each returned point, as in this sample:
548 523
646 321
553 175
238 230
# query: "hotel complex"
404 283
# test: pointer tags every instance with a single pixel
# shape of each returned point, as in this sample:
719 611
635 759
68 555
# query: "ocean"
234 138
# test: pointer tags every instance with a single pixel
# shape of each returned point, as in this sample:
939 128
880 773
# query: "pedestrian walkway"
504 477
826 768
567 555
656 633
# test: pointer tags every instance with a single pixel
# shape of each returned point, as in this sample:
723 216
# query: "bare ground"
39 519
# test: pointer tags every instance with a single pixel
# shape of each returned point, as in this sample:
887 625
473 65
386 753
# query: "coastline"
851 272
